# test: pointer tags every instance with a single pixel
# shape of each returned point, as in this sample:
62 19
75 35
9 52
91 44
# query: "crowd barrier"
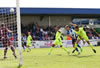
48 43
66 43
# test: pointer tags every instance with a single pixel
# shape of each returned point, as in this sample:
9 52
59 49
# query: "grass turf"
39 58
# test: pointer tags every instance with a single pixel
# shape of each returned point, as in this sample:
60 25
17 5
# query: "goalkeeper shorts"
85 38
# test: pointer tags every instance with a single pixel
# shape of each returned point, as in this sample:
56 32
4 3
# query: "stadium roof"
55 11
59 11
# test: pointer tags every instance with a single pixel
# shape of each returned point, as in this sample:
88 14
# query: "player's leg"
76 44
10 44
30 48
6 48
87 40
91 46
5 51
27 46
53 45
51 49
76 49
61 45
13 50
65 49
30 45
23 45
79 46
73 43
78 40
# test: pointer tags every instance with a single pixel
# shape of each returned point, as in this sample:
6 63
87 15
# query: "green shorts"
29 43
57 42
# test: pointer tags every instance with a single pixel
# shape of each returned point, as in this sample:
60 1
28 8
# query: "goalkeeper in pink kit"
5 40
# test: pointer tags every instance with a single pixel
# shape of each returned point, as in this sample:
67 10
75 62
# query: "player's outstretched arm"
9 31
96 32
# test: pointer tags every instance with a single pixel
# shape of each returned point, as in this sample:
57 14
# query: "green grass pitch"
39 58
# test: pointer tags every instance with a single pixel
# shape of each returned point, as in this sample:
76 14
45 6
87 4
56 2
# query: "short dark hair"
57 26
76 26
3 24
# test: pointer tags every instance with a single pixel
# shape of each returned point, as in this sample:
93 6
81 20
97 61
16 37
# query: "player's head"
29 33
74 25
57 28
67 27
76 28
71 23
23 34
2 25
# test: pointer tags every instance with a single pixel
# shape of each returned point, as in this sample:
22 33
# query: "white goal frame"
19 31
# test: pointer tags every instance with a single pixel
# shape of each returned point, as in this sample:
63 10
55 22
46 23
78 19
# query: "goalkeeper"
58 40
82 35
5 40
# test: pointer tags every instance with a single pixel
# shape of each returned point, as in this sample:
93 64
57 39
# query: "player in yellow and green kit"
82 35
58 40
29 39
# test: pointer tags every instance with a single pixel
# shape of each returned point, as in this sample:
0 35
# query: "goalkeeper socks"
51 49
5 51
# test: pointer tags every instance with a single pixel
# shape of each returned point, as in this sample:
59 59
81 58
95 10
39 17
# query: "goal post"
10 36
19 32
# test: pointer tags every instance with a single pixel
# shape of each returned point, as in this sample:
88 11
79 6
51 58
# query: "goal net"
10 39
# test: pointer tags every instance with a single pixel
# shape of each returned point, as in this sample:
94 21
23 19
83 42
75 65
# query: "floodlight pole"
19 32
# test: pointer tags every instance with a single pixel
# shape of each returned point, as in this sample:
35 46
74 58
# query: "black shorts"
73 40
23 44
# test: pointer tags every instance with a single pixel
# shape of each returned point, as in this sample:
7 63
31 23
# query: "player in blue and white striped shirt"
71 33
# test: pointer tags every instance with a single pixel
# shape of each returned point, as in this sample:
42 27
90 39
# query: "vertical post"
19 32
80 22
49 22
